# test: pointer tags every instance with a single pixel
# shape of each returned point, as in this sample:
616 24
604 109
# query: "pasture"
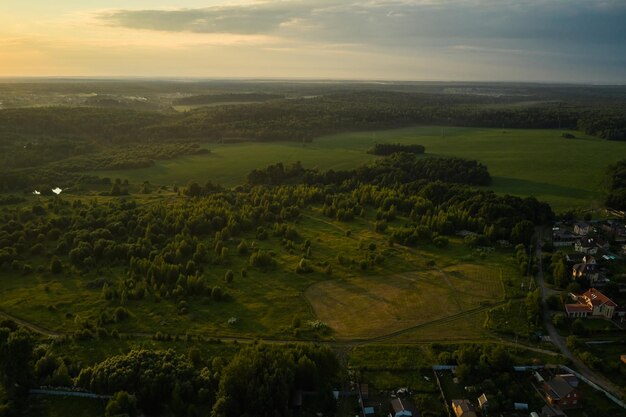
567 173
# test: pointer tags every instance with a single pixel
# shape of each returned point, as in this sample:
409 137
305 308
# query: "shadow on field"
527 187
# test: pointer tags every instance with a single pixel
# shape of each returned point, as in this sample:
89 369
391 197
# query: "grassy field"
568 173
412 287
374 306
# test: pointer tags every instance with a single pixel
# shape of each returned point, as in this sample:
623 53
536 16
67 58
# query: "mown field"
567 173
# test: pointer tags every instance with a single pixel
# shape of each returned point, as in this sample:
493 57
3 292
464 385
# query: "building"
463 408
483 403
562 238
586 270
582 228
586 245
560 393
592 304
401 407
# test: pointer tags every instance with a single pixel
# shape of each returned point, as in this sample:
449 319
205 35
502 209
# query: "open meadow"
567 173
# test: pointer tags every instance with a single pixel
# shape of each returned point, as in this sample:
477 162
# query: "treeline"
259 380
24 168
226 98
389 148
617 186
304 119
399 168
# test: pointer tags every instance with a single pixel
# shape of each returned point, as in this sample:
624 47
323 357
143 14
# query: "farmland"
567 173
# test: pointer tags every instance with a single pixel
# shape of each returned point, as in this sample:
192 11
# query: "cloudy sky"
499 40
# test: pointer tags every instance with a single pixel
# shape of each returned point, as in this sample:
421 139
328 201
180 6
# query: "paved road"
559 342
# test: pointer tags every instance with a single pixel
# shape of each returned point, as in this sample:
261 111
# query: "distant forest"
227 98
58 140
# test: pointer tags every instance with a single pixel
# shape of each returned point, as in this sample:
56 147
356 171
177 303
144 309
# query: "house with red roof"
591 304
562 391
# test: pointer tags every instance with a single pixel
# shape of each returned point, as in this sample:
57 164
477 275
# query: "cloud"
399 20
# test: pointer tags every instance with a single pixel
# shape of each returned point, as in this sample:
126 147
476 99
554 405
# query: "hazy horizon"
535 41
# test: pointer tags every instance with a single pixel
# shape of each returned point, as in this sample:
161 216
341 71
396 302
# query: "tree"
257 382
122 403
193 190
533 307
559 320
500 358
16 369
523 232
55 265
559 274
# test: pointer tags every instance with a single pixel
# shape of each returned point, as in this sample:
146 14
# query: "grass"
567 173
442 294
374 306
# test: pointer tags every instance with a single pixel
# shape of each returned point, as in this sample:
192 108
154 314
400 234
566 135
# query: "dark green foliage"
389 148
150 375
16 367
226 98
260 380
55 265
399 168
523 232
617 186
122 403
533 307
262 259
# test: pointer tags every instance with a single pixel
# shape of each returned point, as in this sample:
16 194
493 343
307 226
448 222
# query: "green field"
567 173
413 287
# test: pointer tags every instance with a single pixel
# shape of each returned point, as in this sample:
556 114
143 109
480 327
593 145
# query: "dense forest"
389 148
226 98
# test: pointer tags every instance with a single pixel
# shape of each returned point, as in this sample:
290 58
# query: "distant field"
568 173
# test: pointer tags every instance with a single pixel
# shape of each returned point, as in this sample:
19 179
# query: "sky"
421 40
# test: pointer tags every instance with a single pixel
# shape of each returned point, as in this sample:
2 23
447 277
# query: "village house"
591 304
586 270
582 228
562 238
401 407
561 392
586 245
463 408
615 230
